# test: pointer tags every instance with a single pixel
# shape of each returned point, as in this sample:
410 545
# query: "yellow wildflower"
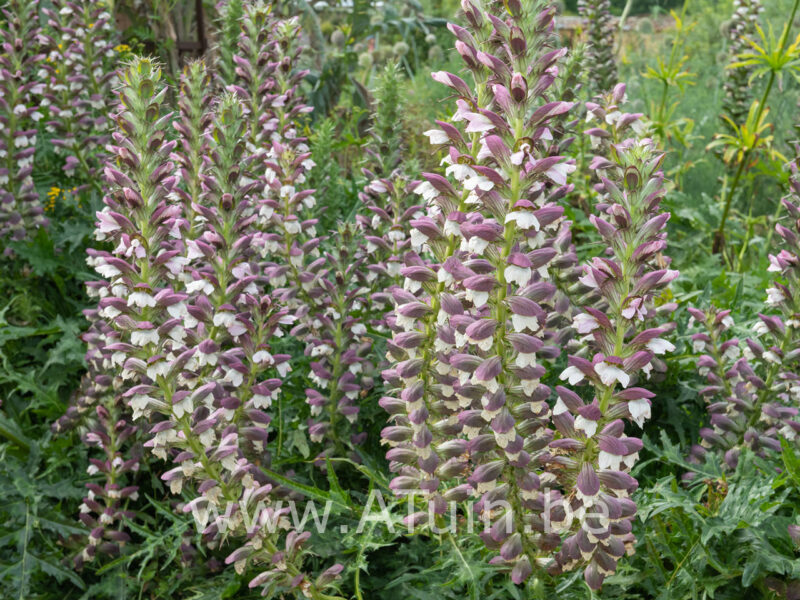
52 195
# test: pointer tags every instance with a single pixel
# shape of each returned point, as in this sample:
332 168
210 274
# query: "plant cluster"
312 357
741 27
20 207
600 32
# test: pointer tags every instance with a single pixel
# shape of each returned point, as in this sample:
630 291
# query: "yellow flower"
122 48
52 195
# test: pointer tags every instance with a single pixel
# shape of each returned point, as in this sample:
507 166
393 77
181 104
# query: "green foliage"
35 512
717 536
41 359
329 149
388 107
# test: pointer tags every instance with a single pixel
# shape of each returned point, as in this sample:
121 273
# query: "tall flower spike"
20 206
388 202
755 402
226 39
741 27
334 332
776 408
194 104
591 457
601 31
195 335
138 216
99 413
138 272
80 42
231 372
104 510
730 394
254 69
325 292
291 237
470 414
268 86
232 359
385 146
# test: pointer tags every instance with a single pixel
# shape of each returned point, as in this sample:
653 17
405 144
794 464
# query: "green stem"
655 557
662 107
622 19
749 233
336 373
680 564
23 562
719 238
11 436
472 583
279 448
